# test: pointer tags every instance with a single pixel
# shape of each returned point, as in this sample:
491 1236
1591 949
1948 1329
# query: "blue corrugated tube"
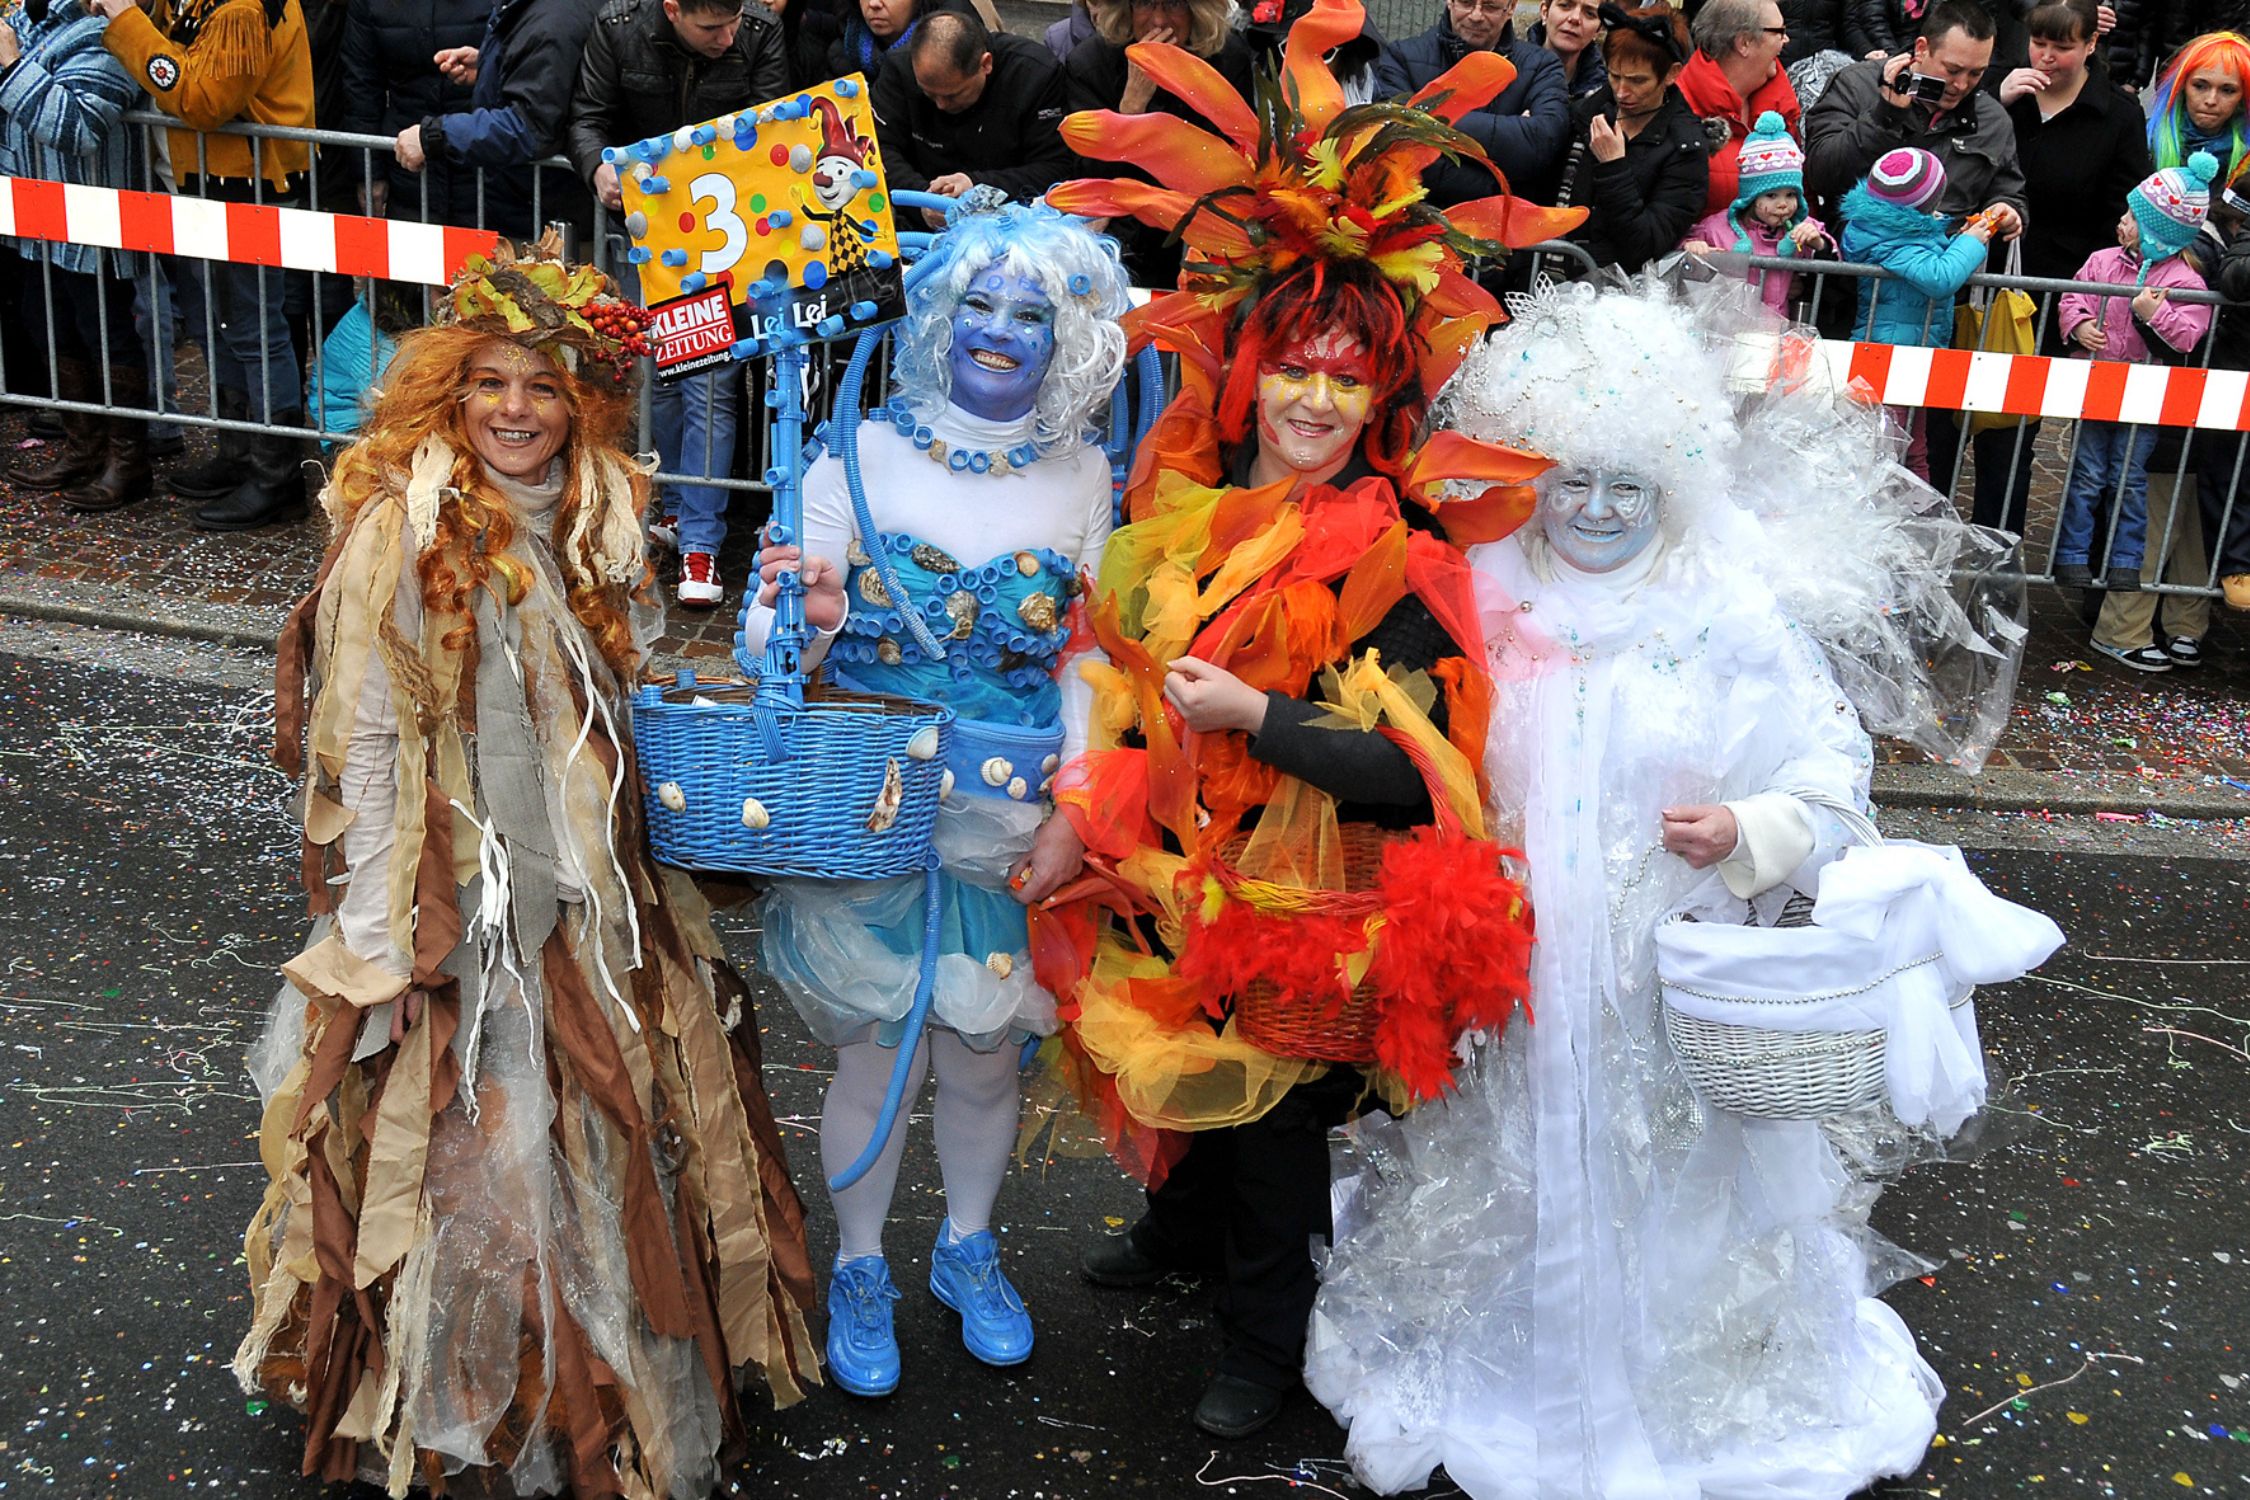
909 1039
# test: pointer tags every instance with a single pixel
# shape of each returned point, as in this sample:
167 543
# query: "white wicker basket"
1780 1075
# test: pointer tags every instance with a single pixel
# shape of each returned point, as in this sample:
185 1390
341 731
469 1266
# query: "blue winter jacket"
63 105
1928 266
527 68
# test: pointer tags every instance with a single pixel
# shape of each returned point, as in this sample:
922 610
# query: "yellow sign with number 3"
790 192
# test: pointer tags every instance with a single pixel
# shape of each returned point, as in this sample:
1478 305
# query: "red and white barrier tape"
2017 385
254 234
431 254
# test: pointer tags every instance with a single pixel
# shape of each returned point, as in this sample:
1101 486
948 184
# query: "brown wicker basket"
1287 1026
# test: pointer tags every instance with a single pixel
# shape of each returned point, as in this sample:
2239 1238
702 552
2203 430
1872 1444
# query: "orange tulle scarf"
1211 872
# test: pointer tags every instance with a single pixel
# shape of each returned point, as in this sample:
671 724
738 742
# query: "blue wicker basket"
777 773
840 786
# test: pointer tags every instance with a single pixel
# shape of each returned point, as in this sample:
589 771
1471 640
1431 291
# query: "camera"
1919 88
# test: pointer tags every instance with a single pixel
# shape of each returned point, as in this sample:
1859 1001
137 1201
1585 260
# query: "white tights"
973 1123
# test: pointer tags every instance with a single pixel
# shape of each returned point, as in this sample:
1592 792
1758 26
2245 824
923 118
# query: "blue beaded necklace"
959 460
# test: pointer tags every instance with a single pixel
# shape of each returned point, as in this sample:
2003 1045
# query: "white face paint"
1597 520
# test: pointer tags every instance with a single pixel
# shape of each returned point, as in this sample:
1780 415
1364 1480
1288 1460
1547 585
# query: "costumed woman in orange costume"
528 1213
1276 790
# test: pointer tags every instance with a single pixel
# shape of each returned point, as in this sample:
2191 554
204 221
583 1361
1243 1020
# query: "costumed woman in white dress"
1574 1279
991 496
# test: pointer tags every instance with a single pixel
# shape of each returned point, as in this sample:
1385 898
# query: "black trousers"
2222 469
92 320
1249 1200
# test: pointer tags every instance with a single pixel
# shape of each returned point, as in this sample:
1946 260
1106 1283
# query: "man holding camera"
1929 97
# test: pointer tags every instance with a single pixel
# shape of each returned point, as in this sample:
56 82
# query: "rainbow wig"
2227 51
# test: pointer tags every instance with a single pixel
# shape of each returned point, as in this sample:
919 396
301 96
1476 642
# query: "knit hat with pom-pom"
2170 207
1770 159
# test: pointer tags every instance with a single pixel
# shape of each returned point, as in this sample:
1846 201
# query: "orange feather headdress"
1298 181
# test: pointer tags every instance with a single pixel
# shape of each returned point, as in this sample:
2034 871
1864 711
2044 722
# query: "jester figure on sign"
837 178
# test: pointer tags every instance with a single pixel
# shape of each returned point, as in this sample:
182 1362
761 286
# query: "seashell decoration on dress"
934 559
924 745
887 801
674 799
754 814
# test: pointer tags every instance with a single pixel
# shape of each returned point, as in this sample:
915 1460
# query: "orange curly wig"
420 397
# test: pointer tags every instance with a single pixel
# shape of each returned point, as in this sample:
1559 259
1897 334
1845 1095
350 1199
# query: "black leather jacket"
637 80
1011 138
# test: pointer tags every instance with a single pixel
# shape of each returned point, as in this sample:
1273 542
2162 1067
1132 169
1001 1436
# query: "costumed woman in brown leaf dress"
528 1213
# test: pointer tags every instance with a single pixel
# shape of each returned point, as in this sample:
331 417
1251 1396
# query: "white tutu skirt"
848 953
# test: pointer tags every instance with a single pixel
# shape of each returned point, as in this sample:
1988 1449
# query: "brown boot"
124 479
79 455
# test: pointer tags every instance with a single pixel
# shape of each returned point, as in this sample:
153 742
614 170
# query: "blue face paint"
1597 520
1003 342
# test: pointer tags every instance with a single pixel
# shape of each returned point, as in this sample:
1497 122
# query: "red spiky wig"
1348 297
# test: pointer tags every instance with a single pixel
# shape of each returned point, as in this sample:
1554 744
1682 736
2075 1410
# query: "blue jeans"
2108 452
250 349
692 421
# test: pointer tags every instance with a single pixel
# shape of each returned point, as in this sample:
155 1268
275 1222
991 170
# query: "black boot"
221 474
1233 1407
124 479
272 490
77 456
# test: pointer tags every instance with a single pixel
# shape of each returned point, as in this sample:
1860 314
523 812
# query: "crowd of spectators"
1936 138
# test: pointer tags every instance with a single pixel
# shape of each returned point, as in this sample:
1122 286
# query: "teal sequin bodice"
1002 621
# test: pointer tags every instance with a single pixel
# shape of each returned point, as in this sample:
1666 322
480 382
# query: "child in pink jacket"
1768 215
2162 217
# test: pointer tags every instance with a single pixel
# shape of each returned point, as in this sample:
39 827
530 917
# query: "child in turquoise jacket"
1887 222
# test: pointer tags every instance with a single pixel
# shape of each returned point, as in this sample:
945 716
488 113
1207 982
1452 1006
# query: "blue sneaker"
967 1278
862 1350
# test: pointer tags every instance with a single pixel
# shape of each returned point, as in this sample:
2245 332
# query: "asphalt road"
2085 1305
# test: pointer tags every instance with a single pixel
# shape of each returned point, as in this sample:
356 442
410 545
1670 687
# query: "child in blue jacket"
1887 223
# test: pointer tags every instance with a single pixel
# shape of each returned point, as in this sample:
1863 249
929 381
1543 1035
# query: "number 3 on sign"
717 189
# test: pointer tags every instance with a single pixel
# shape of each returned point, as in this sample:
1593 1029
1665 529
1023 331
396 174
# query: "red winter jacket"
1726 119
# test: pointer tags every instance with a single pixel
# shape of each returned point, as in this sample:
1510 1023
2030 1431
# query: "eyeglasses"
1775 30
1481 7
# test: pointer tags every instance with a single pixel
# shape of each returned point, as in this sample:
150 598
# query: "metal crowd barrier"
174 300
2180 558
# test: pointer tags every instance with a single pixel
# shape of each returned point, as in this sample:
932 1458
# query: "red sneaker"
699 580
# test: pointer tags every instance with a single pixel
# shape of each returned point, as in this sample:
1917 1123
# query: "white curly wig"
1621 380
1077 269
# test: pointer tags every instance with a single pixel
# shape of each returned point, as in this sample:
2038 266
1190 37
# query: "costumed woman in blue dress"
991 497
